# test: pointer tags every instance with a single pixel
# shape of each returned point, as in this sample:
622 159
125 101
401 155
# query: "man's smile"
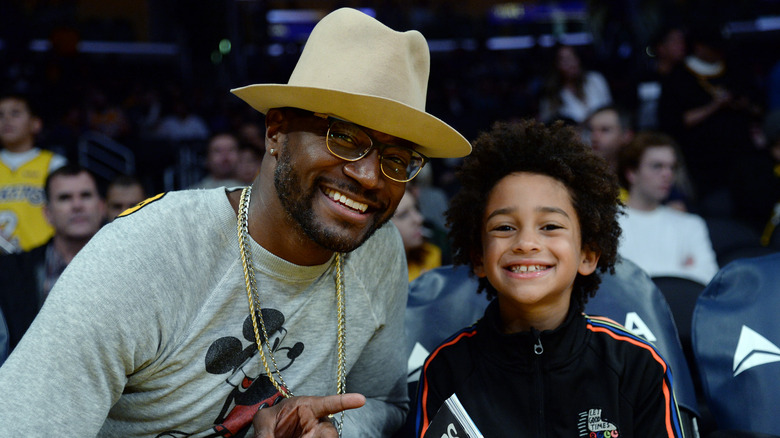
344 200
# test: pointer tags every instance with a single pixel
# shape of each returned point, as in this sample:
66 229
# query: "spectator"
23 171
706 106
182 124
123 192
75 210
106 117
251 151
536 220
610 128
661 240
421 255
667 50
571 92
252 134
755 183
250 159
144 110
221 162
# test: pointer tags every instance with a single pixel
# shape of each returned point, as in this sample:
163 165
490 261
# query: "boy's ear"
479 266
590 260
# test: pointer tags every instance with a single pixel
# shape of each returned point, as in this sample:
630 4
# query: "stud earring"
272 151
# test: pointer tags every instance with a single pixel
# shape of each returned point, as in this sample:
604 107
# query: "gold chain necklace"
255 311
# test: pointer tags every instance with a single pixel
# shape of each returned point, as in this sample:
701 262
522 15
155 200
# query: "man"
23 170
666 49
661 240
221 162
75 211
610 129
707 104
166 343
123 192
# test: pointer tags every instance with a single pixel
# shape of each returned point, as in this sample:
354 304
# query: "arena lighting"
510 43
111 47
760 24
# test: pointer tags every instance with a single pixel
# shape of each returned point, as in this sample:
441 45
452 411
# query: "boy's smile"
531 250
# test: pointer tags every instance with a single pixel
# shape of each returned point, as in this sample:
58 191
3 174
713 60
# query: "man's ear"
590 260
47 214
36 124
274 120
627 136
631 176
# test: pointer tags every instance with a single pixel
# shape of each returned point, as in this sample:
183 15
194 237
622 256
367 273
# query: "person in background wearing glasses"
275 307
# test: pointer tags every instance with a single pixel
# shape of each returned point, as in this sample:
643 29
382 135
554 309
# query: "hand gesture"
303 417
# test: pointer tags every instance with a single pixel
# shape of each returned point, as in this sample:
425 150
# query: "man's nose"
367 170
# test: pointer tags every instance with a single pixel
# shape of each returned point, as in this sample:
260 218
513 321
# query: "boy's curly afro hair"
555 151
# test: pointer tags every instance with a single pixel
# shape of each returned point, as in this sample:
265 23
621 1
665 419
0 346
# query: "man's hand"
300 417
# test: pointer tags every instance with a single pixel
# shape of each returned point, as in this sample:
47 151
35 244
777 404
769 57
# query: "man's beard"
298 205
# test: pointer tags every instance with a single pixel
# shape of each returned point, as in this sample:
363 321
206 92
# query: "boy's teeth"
339 197
527 268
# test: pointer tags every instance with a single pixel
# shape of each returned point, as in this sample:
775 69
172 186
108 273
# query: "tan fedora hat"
355 68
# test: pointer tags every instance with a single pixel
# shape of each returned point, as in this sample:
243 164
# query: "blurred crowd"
656 69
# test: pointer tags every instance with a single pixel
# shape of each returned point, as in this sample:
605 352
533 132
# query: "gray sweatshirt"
147 333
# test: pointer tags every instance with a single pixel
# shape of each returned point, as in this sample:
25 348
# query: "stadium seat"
736 342
3 339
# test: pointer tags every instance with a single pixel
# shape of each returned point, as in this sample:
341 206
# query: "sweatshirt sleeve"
380 371
72 364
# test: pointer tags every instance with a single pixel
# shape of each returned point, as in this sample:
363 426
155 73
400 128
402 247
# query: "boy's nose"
526 242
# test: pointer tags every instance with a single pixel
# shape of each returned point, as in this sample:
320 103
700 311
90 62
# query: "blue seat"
4 339
631 298
444 300
736 343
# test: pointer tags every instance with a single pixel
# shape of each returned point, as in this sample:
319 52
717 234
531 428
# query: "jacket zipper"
539 384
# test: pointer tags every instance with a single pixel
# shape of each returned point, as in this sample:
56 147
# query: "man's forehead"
72 183
12 103
606 117
661 153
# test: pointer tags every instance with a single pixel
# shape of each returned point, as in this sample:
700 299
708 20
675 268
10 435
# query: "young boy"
23 171
536 219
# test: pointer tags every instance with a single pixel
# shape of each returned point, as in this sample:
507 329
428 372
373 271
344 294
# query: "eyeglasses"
350 142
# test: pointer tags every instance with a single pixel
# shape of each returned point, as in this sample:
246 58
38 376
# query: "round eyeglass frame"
375 144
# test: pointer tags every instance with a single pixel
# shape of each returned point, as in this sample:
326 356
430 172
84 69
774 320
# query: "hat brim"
435 138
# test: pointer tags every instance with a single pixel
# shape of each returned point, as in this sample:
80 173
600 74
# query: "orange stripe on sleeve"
666 389
424 382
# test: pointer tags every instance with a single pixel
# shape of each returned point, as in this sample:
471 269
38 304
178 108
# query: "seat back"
4 339
681 295
631 298
736 342
441 301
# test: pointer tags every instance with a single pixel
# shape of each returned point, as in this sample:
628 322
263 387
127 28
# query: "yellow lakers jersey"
21 203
